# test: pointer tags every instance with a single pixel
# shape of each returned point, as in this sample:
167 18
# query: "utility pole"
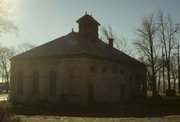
178 70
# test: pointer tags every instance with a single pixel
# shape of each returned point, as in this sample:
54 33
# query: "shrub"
6 113
5 110
170 92
12 119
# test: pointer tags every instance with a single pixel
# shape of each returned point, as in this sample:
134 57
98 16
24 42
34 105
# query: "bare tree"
159 81
174 69
25 47
147 44
5 55
167 36
107 33
6 25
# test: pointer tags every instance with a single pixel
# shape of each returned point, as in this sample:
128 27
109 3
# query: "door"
122 91
90 93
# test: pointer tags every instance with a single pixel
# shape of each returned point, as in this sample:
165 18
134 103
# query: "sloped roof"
75 44
87 18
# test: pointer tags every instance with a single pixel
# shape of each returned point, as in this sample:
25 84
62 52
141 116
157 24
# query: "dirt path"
172 118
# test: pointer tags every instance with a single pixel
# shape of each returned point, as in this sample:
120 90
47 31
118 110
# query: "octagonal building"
76 68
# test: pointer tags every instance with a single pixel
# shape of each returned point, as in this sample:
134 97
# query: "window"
52 83
103 69
35 82
20 83
92 69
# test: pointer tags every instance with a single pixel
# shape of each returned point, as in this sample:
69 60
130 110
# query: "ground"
165 109
172 118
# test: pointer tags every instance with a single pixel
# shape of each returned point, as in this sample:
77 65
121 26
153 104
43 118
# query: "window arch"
20 79
35 82
52 83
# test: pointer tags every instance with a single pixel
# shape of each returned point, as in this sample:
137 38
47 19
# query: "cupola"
88 27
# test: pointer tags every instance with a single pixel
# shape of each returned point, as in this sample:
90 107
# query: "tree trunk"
153 67
159 81
164 83
174 82
168 74
179 82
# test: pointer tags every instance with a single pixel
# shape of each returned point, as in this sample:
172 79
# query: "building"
77 68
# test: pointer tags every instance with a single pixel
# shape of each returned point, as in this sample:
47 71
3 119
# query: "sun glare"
6 6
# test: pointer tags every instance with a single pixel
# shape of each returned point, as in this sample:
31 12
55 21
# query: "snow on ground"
172 118
3 97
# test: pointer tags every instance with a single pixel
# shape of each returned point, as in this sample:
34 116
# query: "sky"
40 21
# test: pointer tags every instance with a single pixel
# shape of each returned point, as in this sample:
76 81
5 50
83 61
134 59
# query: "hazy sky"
40 21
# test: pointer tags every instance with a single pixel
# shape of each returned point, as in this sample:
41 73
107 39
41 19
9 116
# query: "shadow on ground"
149 107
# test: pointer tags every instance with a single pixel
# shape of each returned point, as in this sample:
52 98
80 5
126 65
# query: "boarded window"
114 70
35 82
20 83
52 83
137 77
122 72
130 77
90 93
122 91
104 69
92 69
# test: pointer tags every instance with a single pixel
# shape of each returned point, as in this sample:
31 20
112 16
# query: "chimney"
111 42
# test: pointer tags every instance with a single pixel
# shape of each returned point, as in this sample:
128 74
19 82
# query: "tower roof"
87 18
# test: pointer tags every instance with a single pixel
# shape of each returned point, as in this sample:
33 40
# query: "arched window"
20 83
52 83
35 82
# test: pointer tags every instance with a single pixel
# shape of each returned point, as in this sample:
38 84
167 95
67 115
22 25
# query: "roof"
87 18
75 44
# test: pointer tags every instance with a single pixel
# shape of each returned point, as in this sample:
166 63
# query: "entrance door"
90 93
122 91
